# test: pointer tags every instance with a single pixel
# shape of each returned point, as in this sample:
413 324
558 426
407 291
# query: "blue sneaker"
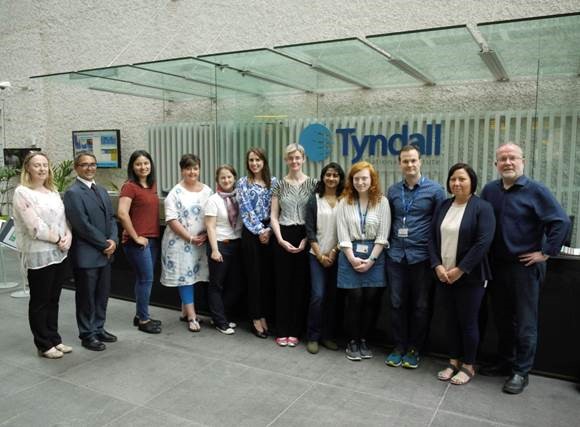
395 358
411 359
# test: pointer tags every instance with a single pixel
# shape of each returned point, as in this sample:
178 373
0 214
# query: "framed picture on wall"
8 235
104 144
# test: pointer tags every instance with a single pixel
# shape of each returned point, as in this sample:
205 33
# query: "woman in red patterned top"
139 214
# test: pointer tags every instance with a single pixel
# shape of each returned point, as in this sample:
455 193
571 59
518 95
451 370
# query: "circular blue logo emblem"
317 142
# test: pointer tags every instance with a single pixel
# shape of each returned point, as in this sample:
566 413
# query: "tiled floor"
179 378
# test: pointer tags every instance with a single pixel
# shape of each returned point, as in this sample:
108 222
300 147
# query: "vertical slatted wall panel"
549 142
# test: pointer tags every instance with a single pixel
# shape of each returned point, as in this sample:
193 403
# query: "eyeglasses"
506 159
88 165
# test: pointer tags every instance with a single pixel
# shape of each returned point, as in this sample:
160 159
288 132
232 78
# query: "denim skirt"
350 279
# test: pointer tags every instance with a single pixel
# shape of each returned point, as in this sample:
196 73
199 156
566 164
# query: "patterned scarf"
231 206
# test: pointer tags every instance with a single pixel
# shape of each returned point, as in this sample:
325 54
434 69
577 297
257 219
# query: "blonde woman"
44 239
289 199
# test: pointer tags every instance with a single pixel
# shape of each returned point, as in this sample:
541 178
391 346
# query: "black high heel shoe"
257 333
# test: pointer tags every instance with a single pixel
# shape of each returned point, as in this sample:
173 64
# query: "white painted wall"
40 37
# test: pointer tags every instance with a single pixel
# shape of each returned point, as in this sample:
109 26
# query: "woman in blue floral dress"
183 259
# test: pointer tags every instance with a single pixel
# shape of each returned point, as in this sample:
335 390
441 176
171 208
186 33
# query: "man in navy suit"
94 228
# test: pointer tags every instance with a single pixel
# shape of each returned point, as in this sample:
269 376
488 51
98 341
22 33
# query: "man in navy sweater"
531 227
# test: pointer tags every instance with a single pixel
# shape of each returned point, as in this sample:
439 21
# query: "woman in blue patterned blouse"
255 198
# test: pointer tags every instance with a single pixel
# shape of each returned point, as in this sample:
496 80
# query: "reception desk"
559 330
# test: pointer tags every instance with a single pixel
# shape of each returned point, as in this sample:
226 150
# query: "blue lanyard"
362 217
407 205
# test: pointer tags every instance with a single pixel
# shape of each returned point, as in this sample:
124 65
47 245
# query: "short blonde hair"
292 148
25 175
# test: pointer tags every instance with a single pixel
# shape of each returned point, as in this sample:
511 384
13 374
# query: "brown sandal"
456 380
454 369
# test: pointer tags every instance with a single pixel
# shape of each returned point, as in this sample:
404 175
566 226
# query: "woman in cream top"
44 239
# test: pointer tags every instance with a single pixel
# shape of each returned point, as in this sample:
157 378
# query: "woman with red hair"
363 224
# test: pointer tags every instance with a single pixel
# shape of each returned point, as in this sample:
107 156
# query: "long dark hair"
320 187
131 173
266 175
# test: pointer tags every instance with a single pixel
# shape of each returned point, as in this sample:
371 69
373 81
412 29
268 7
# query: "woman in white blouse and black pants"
363 224
463 229
44 238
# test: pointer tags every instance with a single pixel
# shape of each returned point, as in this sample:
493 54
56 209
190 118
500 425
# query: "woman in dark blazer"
463 229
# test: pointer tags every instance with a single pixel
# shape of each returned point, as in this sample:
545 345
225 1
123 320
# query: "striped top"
292 200
377 223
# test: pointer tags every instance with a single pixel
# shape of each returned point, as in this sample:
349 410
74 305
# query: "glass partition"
457 92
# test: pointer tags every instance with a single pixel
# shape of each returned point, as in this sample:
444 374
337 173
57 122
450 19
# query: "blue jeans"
411 287
142 259
515 295
322 300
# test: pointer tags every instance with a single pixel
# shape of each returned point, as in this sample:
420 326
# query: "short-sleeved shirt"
292 200
183 263
216 206
144 210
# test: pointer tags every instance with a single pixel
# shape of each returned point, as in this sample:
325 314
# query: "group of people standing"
338 232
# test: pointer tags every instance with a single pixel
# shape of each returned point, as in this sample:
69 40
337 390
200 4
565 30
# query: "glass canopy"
508 50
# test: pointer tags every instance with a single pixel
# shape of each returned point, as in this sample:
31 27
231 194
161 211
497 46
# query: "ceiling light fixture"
495 65
400 63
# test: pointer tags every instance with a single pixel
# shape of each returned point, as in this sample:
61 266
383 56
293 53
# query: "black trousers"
292 281
92 294
225 287
45 288
462 301
258 266
360 311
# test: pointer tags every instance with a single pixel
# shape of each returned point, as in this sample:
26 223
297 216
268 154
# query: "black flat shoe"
136 321
93 344
259 334
150 327
106 336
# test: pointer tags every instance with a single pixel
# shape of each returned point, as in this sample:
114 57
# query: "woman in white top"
183 253
321 232
363 225
462 231
224 231
44 239
289 199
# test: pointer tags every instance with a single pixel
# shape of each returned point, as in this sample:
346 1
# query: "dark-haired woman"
183 252
224 230
363 225
254 193
320 223
138 213
463 229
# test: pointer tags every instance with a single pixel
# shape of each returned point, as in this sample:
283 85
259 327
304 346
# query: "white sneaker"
51 353
64 348
227 331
